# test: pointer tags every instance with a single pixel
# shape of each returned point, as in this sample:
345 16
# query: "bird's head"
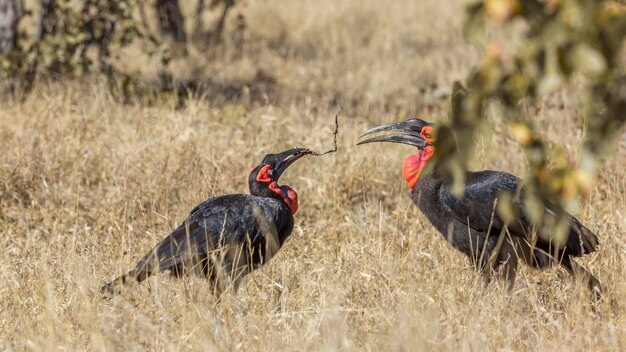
263 179
414 132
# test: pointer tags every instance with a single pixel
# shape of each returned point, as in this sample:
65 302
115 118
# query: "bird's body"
471 222
226 237
427 194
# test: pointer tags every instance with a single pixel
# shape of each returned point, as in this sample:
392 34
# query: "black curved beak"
286 158
410 133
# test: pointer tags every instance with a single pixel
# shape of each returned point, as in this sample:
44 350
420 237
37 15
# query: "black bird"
226 237
471 223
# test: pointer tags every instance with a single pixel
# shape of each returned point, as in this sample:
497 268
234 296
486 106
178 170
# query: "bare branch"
334 148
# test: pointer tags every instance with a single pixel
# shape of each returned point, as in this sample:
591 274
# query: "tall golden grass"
88 185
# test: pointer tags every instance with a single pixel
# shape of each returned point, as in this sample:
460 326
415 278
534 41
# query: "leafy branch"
564 40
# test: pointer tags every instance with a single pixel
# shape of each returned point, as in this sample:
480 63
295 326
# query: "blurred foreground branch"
564 40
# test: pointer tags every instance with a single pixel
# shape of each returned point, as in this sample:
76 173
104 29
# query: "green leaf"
474 24
457 100
585 58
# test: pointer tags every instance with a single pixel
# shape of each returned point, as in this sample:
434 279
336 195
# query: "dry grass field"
88 185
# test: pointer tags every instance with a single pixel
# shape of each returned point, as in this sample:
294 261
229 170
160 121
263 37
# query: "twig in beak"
334 148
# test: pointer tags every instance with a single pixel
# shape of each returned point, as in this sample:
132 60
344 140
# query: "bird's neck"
272 189
414 165
262 184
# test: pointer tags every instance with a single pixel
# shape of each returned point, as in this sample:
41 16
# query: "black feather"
227 237
472 224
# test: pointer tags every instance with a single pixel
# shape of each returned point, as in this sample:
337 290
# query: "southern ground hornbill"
470 221
226 237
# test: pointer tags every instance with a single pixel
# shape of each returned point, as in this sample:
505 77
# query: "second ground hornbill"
226 237
470 221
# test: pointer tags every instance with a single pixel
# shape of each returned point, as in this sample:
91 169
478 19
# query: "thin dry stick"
334 148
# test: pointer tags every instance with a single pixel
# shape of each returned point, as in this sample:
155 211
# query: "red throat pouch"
289 196
414 164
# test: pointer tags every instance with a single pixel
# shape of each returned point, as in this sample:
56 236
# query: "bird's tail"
577 270
115 287
142 271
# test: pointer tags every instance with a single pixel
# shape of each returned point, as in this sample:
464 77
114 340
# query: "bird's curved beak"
286 158
410 133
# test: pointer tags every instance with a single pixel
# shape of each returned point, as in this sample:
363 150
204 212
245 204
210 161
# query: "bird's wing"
188 241
238 222
580 240
477 209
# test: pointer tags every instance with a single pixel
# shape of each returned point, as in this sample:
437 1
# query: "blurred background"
357 55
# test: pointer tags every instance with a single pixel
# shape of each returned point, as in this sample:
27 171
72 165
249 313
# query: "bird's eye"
427 134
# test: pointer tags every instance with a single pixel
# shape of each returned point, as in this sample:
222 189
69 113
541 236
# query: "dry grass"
87 185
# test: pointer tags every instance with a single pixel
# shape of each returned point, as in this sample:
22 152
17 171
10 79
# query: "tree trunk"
170 19
10 15
198 23
216 36
47 21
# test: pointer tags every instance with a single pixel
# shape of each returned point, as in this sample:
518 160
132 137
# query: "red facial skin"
286 193
427 134
414 164
264 174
